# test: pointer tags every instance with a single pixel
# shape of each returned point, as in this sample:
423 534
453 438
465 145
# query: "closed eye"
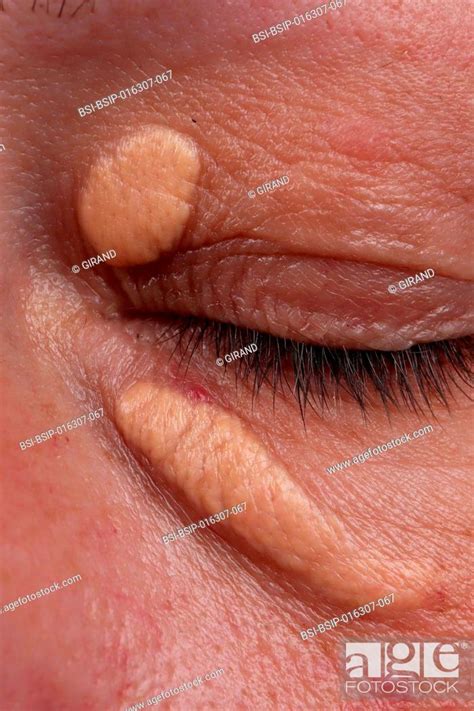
318 376
323 329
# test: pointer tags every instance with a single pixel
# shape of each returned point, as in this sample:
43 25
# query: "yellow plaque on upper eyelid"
137 198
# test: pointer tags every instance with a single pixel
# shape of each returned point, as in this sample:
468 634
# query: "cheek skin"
211 458
138 198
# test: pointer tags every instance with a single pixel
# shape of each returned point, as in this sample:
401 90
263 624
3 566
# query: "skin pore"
366 112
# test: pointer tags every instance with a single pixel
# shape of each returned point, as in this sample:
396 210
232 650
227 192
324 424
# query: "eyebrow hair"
61 12
81 5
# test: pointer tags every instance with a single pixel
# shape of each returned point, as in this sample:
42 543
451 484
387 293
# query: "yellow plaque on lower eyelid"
138 197
216 462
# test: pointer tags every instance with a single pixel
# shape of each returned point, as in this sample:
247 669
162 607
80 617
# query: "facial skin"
281 522
366 112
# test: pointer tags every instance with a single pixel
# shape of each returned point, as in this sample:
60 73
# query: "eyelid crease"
415 379
301 299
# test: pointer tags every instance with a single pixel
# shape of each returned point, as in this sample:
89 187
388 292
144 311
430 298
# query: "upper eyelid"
302 298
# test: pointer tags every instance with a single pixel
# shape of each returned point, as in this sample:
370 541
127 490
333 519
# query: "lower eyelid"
279 520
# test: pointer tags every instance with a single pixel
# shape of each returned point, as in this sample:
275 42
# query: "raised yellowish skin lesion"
217 462
138 195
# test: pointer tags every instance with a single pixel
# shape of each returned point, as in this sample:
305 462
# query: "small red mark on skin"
438 600
366 140
57 439
192 390
197 393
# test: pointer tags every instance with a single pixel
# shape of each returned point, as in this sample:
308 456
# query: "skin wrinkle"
383 237
304 298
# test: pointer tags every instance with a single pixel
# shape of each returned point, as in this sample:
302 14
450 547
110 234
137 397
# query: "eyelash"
413 378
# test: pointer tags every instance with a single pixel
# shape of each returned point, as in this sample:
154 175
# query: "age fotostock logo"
403 668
